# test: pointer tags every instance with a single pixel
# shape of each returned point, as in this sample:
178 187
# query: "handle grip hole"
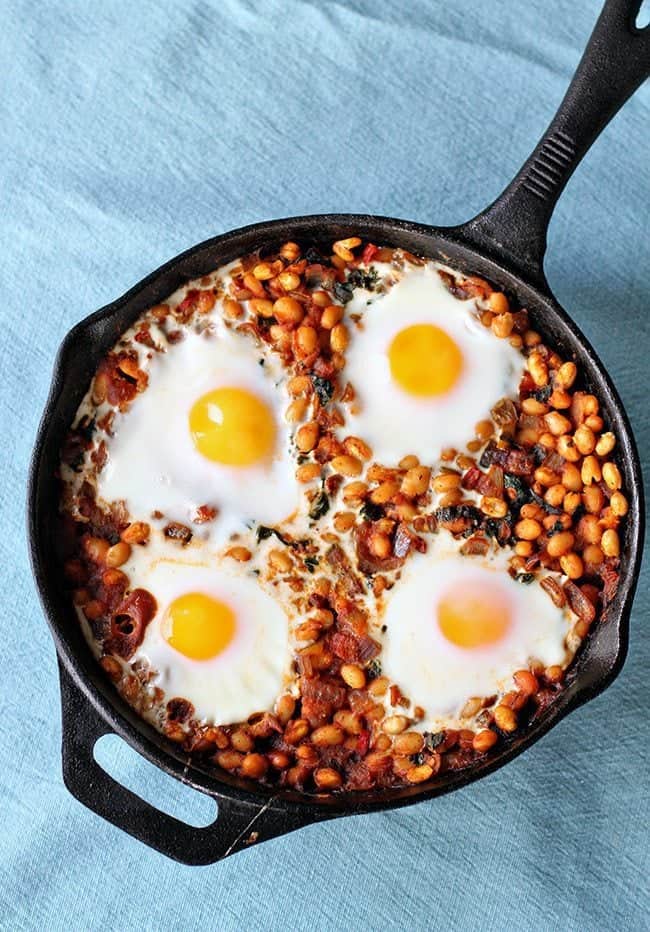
643 16
168 795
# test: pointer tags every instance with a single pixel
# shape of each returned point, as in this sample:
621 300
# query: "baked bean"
339 338
610 543
395 724
378 686
560 544
557 423
446 482
326 778
307 436
118 554
346 465
484 740
308 472
606 444
419 774
306 341
353 676
357 447
327 736
408 742
280 561
565 376
290 251
612 476
229 760
502 325
284 708
567 449
136 533
299 385
493 507
288 311
572 565
241 741
384 492
416 481
528 529
289 280
591 471
505 718
344 521
498 303
331 316
296 730
253 766
585 440
618 504
593 499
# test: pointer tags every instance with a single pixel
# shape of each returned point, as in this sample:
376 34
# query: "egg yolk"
474 616
424 360
198 626
233 427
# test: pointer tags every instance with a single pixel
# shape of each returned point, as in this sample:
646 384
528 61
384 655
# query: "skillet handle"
615 63
239 823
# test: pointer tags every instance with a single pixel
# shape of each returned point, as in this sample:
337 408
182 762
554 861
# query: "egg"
216 639
424 368
458 627
208 429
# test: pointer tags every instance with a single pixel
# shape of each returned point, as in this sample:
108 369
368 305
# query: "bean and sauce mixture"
533 486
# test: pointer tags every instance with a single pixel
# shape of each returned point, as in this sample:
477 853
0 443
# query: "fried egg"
216 639
208 429
458 627
424 369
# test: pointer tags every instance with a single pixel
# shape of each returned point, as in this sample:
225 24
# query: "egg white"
153 464
396 423
440 676
249 674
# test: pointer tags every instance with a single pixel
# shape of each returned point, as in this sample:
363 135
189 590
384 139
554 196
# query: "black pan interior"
601 656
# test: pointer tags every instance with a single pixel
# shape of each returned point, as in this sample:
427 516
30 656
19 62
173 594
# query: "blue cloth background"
132 130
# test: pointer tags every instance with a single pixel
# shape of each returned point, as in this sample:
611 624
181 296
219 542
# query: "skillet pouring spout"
504 244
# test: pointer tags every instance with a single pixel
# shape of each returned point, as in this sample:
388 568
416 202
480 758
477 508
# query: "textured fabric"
132 130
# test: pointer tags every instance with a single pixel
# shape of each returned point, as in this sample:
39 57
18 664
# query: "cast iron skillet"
506 245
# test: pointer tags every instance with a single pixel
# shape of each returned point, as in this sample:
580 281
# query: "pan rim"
328 807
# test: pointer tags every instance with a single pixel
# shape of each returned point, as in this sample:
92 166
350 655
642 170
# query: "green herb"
525 578
432 740
493 527
538 500
542 394
323 388
311 563
371 512
555 529
519 487
367 279
373 670
343 292
319 507
263 533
